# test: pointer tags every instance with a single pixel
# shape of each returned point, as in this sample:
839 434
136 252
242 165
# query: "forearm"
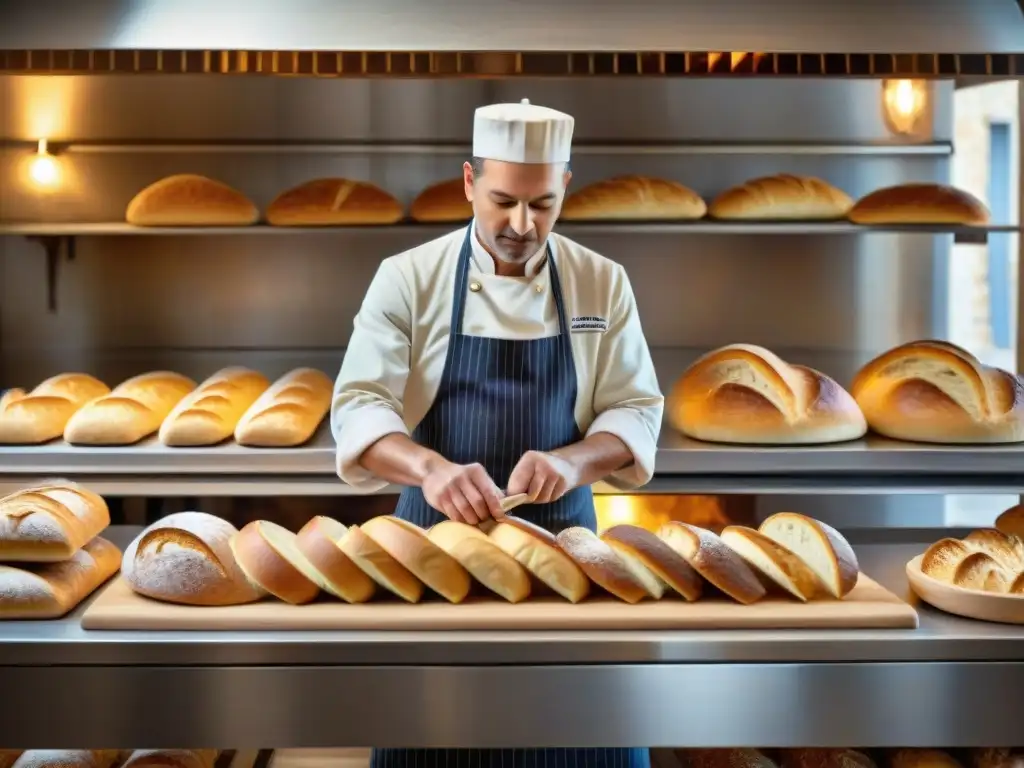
398 459
596 456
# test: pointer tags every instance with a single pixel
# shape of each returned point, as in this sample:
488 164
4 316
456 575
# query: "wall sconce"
905 105
43 169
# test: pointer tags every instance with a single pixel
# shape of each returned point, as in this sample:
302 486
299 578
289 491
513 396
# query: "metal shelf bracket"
55 246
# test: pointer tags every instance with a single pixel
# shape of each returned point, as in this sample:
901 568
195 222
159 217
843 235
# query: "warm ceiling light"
43 169
735 59
904 105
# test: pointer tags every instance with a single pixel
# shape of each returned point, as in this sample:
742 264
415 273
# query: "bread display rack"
649 98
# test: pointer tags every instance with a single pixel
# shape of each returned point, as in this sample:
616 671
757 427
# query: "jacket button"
474 287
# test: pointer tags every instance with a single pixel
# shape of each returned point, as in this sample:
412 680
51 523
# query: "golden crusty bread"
334 571
31 418
746 394
1006 549
919 204
171 758
818 544
941 559
49 523
601 564
67 758
485 561
333 202
209 414
935 392
379 565
133 410
987 560
633 197
270 559
922 758
189 200
288 413
8 756
653 562
1012 521
783 196
824 758
723 758
50 590
778 564
442 202
537 550
409 545
714 560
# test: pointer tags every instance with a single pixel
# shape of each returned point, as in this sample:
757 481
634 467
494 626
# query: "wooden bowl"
970 603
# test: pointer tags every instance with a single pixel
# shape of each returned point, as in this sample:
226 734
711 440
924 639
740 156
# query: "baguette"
634 197
820 546
190 200
172 758
783 196
186 558
772 560
50 590
442 202
41 415
209 414
538 551
288 413
67 758
920 203
409 545
269 557
132 411
714 560
49 523
333 202
380 566
333 570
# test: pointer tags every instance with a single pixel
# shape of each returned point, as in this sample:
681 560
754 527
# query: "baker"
500 359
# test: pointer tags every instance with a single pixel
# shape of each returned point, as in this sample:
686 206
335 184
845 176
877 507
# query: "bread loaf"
41 415
773 561
410 546
50 590
189 200
745 394
288 413
941 559
714 560
333 203
633 197
653 562
49 523
186 558
335 572
1006 549
1012 521
922 758
209 414
539 553
997 758
723 758
8 757
936 392
987 560
478 554
783 196
442 202
825 758
379 565
172 758
820 546
270 559
601 565
133 410
67 758
920 204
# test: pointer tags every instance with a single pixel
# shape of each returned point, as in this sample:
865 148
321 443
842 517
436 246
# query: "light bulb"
43 169
904 104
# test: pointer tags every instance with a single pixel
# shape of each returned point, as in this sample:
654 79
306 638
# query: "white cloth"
395 357
522 133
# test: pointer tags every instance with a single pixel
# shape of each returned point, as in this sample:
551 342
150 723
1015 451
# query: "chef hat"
522 133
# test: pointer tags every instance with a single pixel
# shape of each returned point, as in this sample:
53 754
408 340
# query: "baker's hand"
546 477
462 492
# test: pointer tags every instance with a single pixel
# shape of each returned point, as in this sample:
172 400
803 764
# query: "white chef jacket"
395 357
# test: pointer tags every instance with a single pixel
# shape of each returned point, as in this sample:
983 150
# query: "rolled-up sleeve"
627 399
368 393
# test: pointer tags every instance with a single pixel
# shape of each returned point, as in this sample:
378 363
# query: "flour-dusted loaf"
186 558
714 560
537 550
270 558
485 561
49 523
190 200
601 564
824 758
633 197
38 416
1007 549
778 564
442 202
209 414
986 560
411 546
67 758
935 392
172 758
333 570
135 409
50 590
746 394
288 413
373 560
333 202
818 544
1012 521
653 562
920 203
781 197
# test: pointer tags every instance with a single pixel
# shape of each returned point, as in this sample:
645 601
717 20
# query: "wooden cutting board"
868 606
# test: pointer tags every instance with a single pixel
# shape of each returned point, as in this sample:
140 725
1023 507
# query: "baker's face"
515 205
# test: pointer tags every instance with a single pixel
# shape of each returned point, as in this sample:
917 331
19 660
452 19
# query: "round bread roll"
745 394
1012 521
935 392
410 546
783 196
380 566
633 197
819 545
772 560
484 560
442 202
714 560
189 200
268 555
601 564
538 552
334 570
653 562
333 203
920 204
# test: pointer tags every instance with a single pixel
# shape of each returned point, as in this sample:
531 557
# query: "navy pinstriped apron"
498 399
